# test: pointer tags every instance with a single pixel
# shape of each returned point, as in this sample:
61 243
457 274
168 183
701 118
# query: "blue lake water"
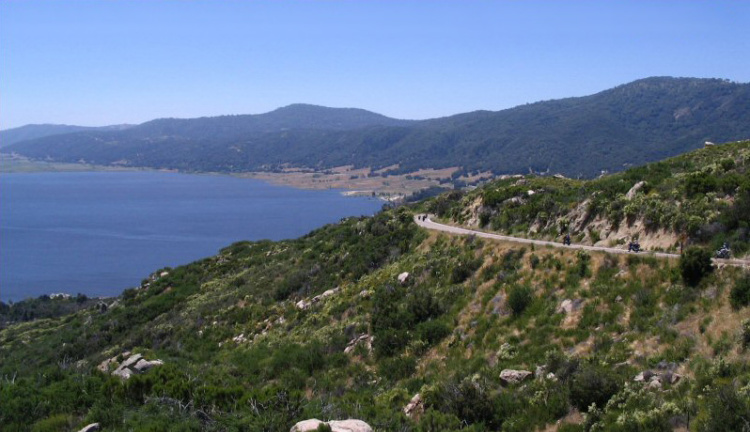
98 233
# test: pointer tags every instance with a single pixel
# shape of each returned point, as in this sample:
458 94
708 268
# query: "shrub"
695 264
745 334
324 427
519 298
592 385
740 294
725 410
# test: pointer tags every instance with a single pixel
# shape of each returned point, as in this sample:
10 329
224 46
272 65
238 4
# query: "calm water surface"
101 232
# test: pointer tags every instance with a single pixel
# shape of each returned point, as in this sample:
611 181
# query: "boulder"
106 364
93 427
306 425
354 342
566 307
512 376
403 277
350 425
654 384
123 373
143 365
415 408
631 193
644 376
133 359
303 304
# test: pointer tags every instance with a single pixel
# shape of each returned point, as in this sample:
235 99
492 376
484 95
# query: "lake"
98 233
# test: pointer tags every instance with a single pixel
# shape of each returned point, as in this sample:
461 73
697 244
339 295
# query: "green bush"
519 298
695 264
740 295
592 385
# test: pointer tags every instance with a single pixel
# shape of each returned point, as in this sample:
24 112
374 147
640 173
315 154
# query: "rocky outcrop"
512 376
132 365
365 338
415 408
93 427
306 304
655 380
350 425
567 306
636 187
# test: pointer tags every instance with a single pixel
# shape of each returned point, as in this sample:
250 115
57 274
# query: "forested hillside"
411 330
642 121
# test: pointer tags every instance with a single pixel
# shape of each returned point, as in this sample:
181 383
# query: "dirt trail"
429 224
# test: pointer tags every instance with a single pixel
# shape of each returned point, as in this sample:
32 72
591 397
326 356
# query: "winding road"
424 221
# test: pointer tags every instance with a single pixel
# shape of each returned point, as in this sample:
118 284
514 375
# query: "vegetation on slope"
635 123
328 326
702 197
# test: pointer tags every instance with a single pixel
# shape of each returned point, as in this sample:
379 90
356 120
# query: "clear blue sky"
109 62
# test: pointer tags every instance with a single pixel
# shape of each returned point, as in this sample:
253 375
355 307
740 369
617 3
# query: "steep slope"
631 124
702 197
356 318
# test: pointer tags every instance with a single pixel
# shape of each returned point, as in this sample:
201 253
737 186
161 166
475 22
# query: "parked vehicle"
724 252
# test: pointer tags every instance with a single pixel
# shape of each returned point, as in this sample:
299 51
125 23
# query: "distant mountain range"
631 124
34 131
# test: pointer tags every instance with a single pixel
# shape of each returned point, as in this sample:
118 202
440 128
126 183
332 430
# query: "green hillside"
356 318
702 197
628 125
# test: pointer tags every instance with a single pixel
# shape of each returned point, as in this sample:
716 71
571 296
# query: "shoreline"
353 182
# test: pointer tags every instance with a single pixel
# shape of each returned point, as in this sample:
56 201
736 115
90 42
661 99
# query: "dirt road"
429 224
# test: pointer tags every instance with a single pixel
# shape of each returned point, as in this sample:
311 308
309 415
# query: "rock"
239 339
551 377
133 359
329 293
567 306
306 425
644 376
618 299
512 376
93 427
106 364
123 373
674 378
631 193
654 384
350 425
415 408
365 294
143 365
665 365
540 371
403 277
354 342
303 304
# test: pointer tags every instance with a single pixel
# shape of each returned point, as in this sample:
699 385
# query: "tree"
695 264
